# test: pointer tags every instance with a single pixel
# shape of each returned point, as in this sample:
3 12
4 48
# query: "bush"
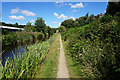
96 46
40 36
20 37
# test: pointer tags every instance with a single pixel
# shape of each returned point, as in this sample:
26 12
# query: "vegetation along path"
55 64
62 67
48 68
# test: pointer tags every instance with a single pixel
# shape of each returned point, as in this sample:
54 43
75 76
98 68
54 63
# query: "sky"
52 12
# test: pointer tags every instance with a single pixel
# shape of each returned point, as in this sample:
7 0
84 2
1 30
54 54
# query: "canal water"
8 51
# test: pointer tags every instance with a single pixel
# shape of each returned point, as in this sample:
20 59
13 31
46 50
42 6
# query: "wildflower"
65 29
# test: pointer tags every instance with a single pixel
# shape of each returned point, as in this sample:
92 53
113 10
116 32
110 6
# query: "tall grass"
26 65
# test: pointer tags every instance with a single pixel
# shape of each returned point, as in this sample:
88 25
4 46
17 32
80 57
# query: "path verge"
48 68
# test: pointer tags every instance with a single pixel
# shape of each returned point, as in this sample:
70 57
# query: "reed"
26 65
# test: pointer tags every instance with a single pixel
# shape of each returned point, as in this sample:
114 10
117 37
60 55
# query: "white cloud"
59 2
62 16
105 11
13 11
54 22
65 3
32 20
27 13
74 18
74 10
55 14
78 5
69 4
59 24
17 17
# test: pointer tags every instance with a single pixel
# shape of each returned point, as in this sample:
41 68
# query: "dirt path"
62 66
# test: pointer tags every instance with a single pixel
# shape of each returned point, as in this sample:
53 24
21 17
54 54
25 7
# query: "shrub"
97 47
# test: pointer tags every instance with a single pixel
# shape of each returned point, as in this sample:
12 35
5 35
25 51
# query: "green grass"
27 64
0 70
75 71
49 67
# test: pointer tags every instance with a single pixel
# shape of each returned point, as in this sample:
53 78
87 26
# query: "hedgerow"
97 47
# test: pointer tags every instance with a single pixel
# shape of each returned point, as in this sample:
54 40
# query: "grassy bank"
49 67
75 71
26 65
0 70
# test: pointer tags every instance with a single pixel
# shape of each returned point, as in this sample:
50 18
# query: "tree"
113 8
30 28
81 21
87 15
28 24
40 22
69 23
61 28
16 24
90 19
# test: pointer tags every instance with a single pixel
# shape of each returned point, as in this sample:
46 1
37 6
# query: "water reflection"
10 50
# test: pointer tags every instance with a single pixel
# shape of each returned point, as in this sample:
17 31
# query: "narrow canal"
8 51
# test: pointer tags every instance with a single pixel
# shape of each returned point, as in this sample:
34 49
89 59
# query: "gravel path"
62 66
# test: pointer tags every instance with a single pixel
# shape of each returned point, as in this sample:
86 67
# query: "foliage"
40 26
96 46
61 28
70 23
25 65
39 31
14 38
50 71
40 23
107 18
113 8
12 25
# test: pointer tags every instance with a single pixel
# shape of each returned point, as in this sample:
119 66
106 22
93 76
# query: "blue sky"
52 12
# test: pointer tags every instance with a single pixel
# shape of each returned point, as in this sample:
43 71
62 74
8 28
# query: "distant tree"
16 25
2 23
69 23
87 15
61 28
40 22
28 24
81 20
90 19
29 27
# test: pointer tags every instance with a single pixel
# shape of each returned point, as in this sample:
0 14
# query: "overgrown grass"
26 65
0 70
49 67
75 71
